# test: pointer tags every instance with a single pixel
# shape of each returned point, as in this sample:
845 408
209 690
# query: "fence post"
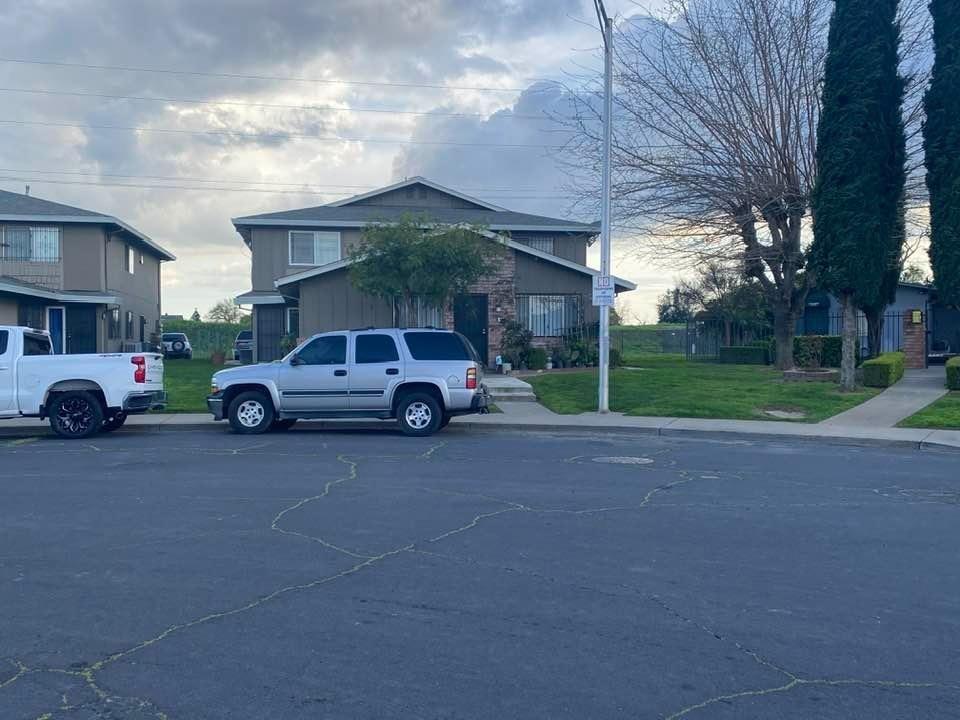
915 339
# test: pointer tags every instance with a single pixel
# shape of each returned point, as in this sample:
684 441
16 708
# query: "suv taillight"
472 379
140 374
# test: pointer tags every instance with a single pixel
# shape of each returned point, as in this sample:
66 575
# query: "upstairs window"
30 244
314 248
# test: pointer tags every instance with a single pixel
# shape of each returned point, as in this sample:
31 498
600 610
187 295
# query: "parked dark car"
176 345
243 346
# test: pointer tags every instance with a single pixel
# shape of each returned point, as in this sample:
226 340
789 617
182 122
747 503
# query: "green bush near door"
884 370
953 373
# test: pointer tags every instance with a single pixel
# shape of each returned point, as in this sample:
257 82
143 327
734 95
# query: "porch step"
509 389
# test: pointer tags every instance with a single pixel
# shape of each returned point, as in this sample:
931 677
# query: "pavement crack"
21 671
428 454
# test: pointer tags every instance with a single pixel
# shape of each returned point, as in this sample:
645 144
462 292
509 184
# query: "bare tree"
714 151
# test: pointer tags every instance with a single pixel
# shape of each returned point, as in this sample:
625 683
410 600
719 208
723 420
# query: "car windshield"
245 335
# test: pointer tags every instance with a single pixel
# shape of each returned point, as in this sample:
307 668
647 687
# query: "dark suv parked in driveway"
420 377
243 345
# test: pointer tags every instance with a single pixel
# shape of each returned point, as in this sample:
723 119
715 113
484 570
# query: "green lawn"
187 383
944 414
639 339
670 386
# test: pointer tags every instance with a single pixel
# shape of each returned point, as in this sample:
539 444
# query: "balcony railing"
47 274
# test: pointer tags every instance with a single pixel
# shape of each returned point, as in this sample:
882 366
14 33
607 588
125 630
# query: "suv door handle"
392 371
339 373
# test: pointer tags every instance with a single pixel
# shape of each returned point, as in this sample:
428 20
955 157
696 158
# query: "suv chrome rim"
418 415
75 416
250 413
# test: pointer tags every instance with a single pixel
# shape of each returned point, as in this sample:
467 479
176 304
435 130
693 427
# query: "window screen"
36 345
4 339
436 346
330 350
32 244
314 248
376 349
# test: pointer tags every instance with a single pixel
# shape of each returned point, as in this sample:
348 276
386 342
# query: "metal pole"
604 392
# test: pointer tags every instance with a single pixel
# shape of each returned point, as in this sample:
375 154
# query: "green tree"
675 306
196 315
941 140
857 202
225 310
416 258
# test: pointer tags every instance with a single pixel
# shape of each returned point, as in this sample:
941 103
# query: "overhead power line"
230 181
281 78
278 135
279 106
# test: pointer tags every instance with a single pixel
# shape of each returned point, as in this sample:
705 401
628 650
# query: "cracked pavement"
353 574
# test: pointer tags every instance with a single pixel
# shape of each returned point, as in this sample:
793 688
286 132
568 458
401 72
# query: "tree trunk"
848 363
783 332
874 331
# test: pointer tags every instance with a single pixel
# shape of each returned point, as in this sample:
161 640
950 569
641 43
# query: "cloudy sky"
177 115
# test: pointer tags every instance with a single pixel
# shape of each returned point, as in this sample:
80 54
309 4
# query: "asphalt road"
188 576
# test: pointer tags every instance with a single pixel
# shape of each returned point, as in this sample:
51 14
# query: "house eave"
239 223
56 295
164 255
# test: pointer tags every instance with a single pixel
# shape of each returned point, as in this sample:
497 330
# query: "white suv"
421 377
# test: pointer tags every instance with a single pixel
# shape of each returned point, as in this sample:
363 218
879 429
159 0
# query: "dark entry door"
470 320
269 332
81 329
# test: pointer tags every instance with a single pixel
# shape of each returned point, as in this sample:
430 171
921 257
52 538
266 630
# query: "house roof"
512 244
18 287
15 207
346 213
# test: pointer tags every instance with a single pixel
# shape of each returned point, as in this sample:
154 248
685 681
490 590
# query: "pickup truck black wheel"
445 421
251 413
76 414
419 415
114 422
284 424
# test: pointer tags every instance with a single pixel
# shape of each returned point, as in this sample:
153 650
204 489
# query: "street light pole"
606 25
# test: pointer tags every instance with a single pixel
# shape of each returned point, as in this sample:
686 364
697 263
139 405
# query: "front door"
81 329
375 369
470 320
7 391
57 327
316 379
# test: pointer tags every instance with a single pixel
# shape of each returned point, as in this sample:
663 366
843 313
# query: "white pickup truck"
80 394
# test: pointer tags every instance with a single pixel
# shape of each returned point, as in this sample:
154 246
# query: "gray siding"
270 250
83 248
566 246
8 311
330 302
540 277
418 198
138 293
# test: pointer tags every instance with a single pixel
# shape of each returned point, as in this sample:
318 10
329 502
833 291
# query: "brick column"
915 339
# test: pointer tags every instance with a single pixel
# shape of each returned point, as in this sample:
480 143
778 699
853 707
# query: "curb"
665 431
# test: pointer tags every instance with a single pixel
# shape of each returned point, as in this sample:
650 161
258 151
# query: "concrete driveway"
475 575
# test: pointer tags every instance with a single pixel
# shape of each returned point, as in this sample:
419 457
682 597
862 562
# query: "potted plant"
218 357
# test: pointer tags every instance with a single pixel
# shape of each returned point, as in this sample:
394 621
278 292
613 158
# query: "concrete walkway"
918 389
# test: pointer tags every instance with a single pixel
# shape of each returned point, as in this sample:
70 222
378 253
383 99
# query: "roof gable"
417 193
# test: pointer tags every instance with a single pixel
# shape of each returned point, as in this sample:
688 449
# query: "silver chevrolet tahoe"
421 377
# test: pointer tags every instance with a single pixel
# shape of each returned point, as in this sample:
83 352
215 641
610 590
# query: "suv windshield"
437 346
245 335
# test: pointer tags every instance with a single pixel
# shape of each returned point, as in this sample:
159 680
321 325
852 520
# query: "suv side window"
35 345
331 350
375 349
4 339
436 346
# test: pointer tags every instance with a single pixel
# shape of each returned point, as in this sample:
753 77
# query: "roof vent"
27 190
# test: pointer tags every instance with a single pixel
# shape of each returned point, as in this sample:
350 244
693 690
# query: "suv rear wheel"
76 414
251 413
419 414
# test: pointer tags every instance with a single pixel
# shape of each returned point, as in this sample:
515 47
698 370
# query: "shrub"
515 345
953 373
743 355
816 351
537 358
884 370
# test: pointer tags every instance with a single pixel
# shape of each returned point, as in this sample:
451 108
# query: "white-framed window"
308 247
131 259
30 244
293 321
549 315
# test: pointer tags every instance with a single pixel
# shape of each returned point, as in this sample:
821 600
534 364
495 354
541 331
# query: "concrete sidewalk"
532 416
913 393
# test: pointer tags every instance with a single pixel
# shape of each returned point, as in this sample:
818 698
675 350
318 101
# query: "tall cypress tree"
941 142
858 222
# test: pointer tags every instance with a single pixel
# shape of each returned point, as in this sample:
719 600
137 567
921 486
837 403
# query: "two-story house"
90 279
301 258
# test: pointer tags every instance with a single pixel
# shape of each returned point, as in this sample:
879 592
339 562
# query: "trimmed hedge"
537 359
953 373
207 337
884 370
743 355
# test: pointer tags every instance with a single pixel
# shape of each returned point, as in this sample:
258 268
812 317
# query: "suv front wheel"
251 413
419 414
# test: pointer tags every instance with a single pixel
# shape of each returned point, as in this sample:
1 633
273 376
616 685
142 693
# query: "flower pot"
506 368
218 357
549 364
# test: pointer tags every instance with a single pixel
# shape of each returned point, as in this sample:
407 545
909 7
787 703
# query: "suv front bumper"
215 406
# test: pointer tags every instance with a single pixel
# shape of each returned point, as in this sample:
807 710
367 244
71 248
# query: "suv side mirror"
297 360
